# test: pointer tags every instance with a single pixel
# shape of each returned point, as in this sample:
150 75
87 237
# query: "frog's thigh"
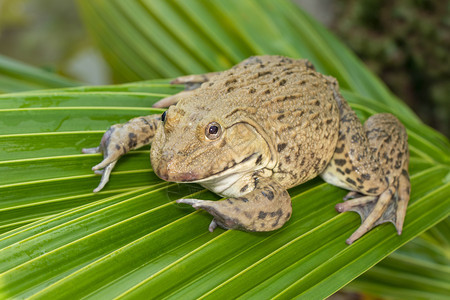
266 208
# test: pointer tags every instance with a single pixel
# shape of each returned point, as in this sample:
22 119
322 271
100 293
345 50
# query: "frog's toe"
212 225
195 203
360 205
374 210
106 172
91 150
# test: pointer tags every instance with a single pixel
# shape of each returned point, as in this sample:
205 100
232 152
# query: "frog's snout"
164 171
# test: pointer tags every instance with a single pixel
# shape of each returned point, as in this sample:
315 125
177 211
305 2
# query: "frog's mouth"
248 163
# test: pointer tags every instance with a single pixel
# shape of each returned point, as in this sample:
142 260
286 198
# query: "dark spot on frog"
282 82
244 188
286 60
351 181
278 213
302 162
365 176
260 74
229 201
340 162
262 215
280 117
252 91
281 147
389 139
340 171
309 65
405 173
228 82
328 121
243 199
117 147
372 190
288 215
339 149
259 159
248 215
347 171
133 141
268 194
230 89
267 92
287 158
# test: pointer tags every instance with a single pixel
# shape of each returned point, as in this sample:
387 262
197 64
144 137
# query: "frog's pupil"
213 129
163 116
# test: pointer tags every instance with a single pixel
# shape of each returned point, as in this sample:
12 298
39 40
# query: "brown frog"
260 128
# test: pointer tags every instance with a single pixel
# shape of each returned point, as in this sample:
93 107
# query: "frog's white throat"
231 185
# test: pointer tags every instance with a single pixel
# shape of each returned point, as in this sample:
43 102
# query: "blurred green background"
404 42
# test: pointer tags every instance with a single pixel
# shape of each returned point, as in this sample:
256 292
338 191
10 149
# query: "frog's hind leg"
372 162
388 142
266 208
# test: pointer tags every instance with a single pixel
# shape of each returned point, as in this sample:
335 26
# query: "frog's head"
203 144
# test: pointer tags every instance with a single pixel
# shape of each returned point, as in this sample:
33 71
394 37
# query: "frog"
252 132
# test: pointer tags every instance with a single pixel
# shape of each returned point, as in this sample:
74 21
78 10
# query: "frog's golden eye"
213 130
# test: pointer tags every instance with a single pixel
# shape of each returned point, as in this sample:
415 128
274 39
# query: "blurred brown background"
405 42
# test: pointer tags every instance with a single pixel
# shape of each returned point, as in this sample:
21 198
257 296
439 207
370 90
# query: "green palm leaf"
60 240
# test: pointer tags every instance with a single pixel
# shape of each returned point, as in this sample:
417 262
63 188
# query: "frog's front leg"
372 162
119 139
265 208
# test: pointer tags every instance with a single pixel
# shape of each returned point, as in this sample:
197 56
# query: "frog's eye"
163 116
213 130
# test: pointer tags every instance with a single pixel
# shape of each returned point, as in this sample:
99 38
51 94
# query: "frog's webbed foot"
191 83
266 208
390 206
118 140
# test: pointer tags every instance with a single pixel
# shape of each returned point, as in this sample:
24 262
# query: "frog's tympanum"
260 128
